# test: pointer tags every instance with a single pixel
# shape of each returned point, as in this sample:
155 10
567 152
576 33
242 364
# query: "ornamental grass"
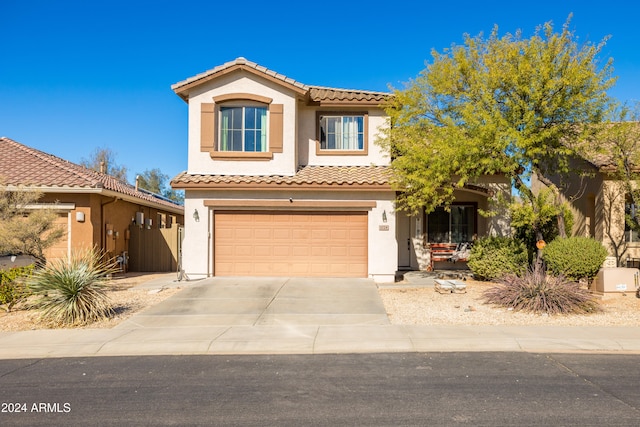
73 290
542 293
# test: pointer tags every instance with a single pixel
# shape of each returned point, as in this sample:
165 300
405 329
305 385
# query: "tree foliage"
155 181
499 105
537 218
23 230
105 158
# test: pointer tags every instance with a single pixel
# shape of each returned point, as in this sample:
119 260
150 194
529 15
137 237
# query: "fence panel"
153 250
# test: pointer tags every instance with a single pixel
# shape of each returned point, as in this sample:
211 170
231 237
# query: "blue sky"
78 75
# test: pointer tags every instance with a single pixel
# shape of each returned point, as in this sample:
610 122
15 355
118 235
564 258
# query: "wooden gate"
153 250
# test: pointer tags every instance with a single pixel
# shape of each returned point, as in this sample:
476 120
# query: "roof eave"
280 186
87 190
147 203
182 88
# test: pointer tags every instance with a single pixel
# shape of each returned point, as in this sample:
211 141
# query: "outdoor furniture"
451 252
441 252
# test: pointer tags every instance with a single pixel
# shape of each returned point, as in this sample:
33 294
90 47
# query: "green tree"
103 160
152 180
498 105
155 181
24 230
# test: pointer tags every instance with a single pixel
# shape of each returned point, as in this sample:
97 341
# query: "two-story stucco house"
285 179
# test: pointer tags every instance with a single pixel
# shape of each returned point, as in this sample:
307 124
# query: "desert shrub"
575 257
493 257
12 285
73 290
538 292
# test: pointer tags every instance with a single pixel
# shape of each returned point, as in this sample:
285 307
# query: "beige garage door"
290 244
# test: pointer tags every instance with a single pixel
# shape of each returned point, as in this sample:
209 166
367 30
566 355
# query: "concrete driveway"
251 301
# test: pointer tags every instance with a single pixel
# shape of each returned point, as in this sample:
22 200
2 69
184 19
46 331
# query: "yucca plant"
72 291
539 292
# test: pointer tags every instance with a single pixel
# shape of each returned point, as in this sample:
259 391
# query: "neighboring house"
95 209
599 203
285 179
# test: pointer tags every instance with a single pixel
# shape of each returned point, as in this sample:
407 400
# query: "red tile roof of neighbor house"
22 165
315 93
352 177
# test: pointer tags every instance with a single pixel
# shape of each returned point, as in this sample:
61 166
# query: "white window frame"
360 135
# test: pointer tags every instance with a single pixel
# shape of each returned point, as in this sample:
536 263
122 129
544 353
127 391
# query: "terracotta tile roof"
315 93
22 165
324 94
331 176
232 64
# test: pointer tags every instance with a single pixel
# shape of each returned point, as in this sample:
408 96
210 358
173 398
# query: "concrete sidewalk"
291 316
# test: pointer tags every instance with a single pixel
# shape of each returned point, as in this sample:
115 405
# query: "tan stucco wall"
98 212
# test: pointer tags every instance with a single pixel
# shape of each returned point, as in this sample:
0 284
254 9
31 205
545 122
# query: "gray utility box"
616 280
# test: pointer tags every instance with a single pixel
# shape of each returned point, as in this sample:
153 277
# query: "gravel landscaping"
408 305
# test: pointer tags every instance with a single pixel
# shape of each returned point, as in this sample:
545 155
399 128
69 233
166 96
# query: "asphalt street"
384 389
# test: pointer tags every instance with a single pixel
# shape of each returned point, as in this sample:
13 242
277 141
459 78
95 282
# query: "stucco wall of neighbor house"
597 204
586 199
81 233
92 232
307 134
611 210
382 245
241 82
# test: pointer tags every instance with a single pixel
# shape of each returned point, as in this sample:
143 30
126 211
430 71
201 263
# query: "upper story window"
243 128
342 133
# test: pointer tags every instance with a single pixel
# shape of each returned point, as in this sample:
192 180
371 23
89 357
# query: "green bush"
72 291
494 257
12 285
575 257
538 292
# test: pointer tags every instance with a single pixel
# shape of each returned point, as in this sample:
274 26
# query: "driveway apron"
251 301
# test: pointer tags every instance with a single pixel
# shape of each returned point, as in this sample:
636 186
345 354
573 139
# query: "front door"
404 240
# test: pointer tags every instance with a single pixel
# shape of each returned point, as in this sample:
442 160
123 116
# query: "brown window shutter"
275 128
207 127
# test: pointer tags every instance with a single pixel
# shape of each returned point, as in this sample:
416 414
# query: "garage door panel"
290 244
320 233
262 233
